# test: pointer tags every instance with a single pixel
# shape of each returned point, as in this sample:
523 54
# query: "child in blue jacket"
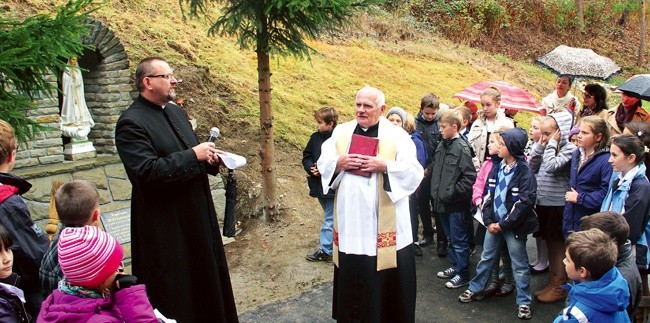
600 293
590 173
510 195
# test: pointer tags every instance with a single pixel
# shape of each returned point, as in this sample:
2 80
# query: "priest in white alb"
374 273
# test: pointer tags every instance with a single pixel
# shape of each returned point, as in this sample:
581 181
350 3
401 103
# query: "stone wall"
108 175
108 90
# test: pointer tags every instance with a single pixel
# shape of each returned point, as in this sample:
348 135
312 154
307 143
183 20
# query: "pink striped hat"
88 256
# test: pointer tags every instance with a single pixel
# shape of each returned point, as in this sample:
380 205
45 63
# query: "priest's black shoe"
319 255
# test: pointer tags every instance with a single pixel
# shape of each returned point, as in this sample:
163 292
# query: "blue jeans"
489 257
455 226
326 235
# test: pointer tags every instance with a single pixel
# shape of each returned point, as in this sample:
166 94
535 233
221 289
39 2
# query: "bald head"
370 106
155 80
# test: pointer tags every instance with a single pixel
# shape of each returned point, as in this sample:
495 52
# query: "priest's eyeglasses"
165 76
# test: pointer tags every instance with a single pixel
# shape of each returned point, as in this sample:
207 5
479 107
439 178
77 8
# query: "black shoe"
319 255
534 271
425 241
441 249
418 250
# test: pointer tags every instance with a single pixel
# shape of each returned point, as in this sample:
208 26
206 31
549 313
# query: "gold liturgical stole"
386 218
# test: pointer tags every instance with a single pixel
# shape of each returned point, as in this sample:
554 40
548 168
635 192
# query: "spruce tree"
30 50
277 27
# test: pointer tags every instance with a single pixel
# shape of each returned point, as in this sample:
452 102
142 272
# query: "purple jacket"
127 305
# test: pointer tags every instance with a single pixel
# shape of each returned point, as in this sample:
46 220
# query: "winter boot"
547 288
555 293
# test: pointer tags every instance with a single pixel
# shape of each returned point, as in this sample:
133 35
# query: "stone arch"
108 90
107 84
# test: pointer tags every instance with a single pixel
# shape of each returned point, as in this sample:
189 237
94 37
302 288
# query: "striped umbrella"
512 97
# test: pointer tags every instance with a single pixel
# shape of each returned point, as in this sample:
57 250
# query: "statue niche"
76 120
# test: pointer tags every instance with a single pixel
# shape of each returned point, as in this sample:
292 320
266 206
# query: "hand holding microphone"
206 151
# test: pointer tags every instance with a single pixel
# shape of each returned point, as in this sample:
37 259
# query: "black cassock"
177 250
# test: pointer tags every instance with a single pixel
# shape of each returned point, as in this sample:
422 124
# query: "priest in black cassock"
374 257
177 250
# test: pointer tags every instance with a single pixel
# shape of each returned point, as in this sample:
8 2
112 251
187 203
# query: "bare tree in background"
640 58
581 15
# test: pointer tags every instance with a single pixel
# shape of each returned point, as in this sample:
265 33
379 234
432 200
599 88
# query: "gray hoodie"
551 164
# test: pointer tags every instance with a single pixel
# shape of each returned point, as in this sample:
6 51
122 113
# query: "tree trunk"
581 15
267 149
640 58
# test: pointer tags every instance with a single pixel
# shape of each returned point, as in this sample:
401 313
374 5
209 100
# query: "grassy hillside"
219 79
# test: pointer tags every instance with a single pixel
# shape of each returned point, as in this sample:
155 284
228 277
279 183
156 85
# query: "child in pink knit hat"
94 288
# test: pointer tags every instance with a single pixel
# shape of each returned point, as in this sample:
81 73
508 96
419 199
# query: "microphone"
214 134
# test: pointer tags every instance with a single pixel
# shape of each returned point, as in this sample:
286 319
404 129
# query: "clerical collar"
151 104
372 131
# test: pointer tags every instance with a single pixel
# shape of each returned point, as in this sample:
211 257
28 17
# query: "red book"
363 145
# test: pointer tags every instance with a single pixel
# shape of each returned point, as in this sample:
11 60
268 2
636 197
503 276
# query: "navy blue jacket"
521 219
421 150
521 192
431 132
309 158
591 182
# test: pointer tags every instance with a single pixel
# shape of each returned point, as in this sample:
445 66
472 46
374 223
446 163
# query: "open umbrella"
638 84
512 97
579 62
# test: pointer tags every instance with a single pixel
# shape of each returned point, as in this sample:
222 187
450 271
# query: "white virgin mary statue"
76 120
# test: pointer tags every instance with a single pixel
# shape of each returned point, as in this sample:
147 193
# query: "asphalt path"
435 303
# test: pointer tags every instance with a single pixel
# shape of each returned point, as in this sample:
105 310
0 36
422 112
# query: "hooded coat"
552 164
521 192
602 300
30 242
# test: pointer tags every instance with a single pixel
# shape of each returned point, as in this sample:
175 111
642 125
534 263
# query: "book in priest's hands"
363 145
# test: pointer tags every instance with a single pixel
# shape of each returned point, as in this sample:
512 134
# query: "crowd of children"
79 272
551 182
577 189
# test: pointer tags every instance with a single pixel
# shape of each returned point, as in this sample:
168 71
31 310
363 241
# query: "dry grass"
404 69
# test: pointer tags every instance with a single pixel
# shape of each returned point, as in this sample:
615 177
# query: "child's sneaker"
456 282
447 273
468 296
523 313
